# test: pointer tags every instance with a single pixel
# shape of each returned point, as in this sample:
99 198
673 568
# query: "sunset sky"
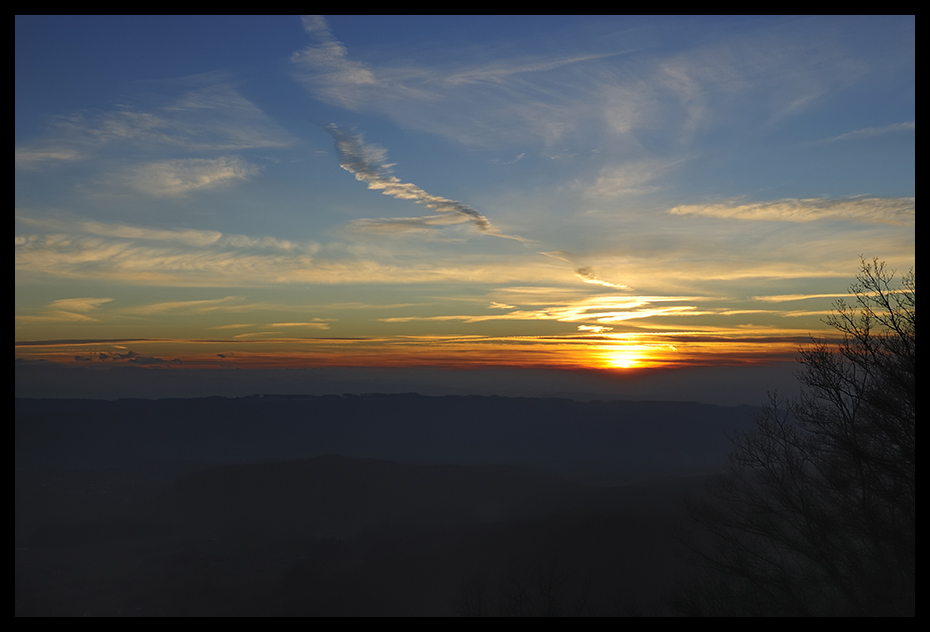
545 192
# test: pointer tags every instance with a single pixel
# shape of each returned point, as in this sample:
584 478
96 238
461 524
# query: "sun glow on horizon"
626 351
634 356
624 359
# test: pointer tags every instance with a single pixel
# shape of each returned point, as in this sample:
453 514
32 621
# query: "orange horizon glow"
627 352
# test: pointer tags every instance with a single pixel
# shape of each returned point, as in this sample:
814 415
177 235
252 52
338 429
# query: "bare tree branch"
817 512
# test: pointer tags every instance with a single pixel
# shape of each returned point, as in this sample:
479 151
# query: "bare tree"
816 515
472 602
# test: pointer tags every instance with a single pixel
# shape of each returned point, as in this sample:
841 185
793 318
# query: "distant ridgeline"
597 442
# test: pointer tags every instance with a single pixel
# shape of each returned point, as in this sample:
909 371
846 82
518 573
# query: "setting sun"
624 359
625 356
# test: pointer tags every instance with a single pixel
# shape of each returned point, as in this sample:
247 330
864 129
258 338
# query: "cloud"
517 159
218 264
597 309
54 316
172 178
327 67
134 358
481 103
745 77
153 361
184 236
328 64
779 298
368 164
594 329
212 116
495 71
909 126
216 116
389 225
587 275
227 303
78 304
897 211
627 179
32 157
244 241
66 310
317 323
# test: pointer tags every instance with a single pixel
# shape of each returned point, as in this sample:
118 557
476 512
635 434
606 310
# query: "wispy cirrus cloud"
596 309
327 63
76 248
587 275
32 157
897 211
780 298
389 225
66 310
182 236
503 97
173 178
209 114
632 178
78 304
316 323
227 303
868 132
126 231
620 86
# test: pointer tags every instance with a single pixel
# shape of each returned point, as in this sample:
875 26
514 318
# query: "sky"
575 193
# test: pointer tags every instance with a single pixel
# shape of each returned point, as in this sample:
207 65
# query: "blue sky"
522 191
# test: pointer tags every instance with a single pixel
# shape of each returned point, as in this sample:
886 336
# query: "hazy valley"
374 504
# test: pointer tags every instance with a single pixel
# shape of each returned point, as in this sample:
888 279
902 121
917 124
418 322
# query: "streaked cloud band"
897 211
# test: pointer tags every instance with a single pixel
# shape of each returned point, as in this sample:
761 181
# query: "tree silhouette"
816 515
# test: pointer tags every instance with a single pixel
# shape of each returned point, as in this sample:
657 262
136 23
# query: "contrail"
366 162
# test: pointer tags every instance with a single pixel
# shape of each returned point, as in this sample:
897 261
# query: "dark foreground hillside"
341 536
221 507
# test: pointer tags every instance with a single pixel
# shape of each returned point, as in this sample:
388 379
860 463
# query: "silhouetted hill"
605 442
